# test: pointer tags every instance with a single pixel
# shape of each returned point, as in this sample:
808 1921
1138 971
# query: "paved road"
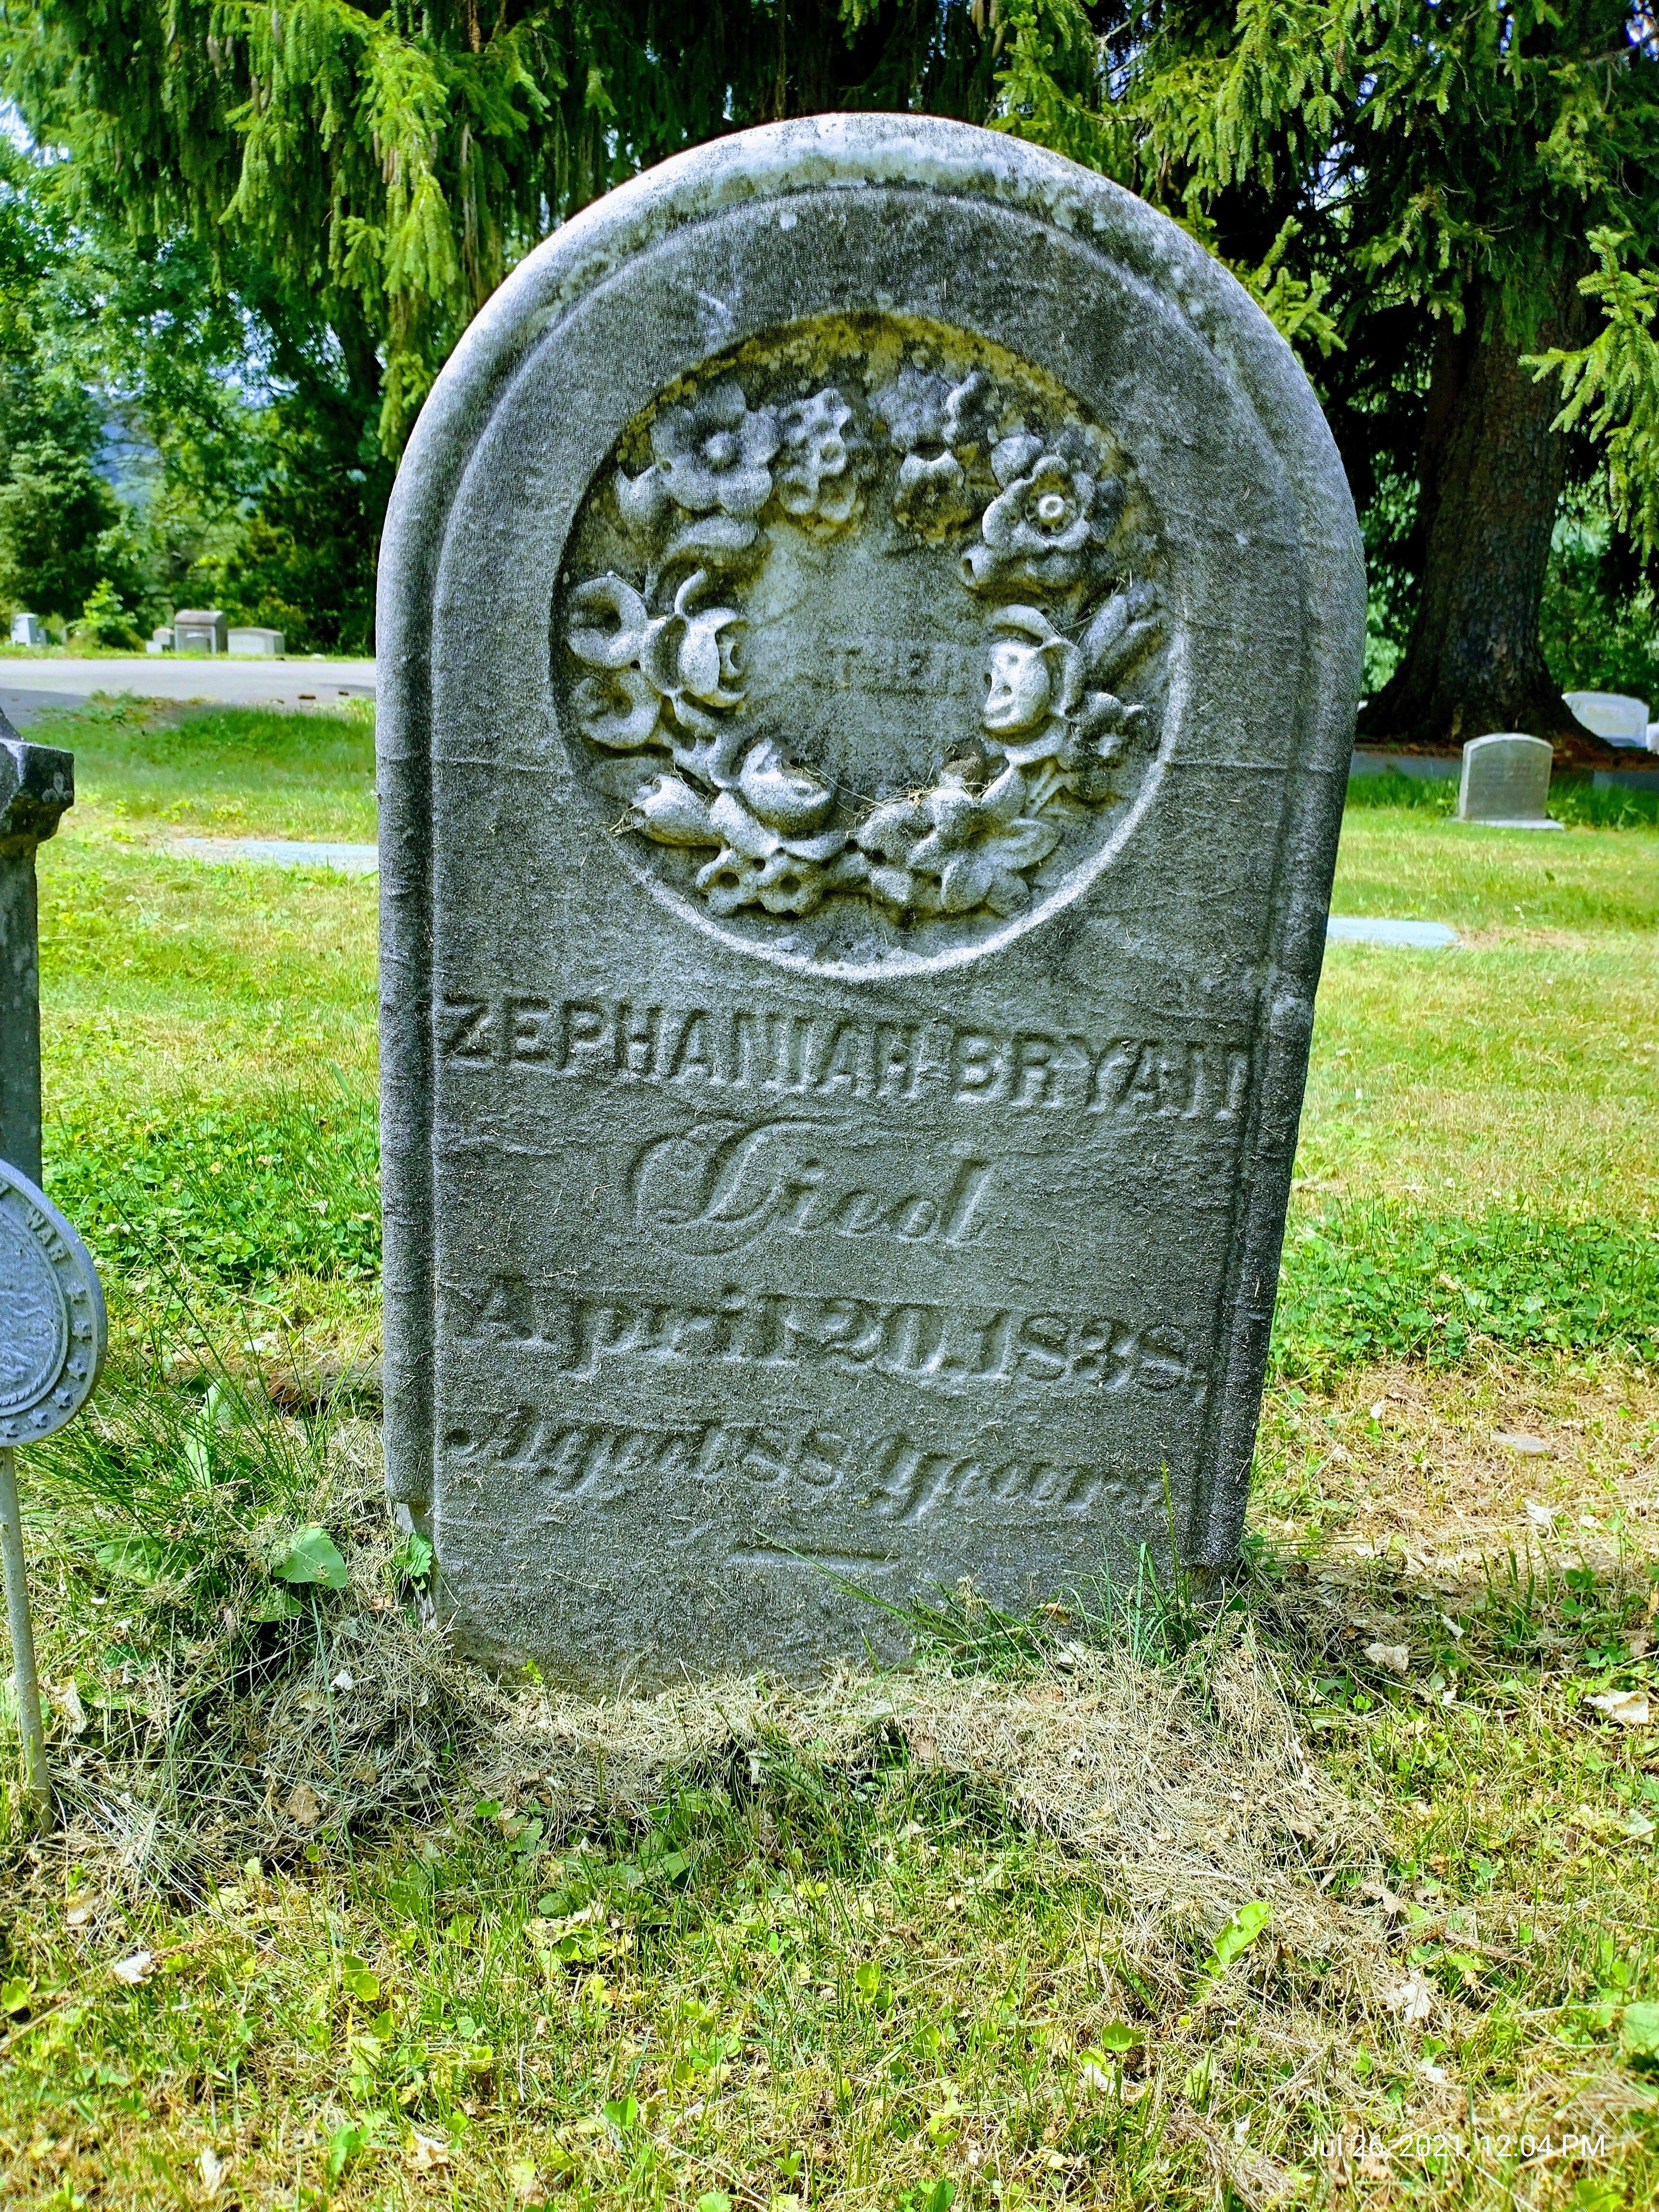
28 688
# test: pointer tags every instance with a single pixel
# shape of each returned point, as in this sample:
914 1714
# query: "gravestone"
159 640
1506 782
267 643
28 630
869 629
199 630
1613 716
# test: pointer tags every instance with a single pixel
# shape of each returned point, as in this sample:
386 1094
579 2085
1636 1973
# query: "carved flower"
979 845
782 883
712 453
1051 509
816 476
932 497
790 800
952 849
936 425
773 848
686 659
923 410
1035 688
618 710
667 811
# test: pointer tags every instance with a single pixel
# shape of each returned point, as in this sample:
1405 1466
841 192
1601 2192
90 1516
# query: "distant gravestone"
1506 782
199 630
869 629
266 642
1611 715
28 630
159 640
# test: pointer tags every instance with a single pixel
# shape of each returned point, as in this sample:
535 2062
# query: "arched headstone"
869 629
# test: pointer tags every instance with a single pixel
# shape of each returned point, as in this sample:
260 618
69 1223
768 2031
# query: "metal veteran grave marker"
870 621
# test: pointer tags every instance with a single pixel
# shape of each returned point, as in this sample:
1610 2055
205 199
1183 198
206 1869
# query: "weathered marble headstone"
1506 782
1614 716
256 640
28 630
869 631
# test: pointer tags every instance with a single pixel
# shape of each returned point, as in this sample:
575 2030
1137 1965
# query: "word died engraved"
902 1482
881 644
919 1341
722 1183
755 1051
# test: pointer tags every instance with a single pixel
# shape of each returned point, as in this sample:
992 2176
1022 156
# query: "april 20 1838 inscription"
852 900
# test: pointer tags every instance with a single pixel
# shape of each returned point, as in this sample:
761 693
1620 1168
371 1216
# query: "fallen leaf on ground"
213 2169
1396 1658
68 1702
1628 1707
304 1806
1380 1893
1638 1644
1541 1517
1410 1998
428 2153
137 1966
1518 1440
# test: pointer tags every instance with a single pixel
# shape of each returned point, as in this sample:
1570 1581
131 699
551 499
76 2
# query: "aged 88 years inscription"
870 625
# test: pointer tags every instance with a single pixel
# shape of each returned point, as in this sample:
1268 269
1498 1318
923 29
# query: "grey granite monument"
1506 782
199 630
869 628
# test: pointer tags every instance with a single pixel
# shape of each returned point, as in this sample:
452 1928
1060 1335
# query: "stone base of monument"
1506 782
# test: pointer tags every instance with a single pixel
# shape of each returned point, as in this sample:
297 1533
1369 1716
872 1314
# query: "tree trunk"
1489 476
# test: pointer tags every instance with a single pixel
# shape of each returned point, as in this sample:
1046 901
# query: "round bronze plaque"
53 1329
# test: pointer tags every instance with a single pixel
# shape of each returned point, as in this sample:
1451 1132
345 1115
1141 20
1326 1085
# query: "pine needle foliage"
1376 169
393 164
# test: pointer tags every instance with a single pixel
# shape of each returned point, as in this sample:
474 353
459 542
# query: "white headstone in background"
199 630
267 642
1613 716
159 639
28 630
1506 782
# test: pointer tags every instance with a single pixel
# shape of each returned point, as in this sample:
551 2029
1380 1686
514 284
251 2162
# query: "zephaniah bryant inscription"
870 627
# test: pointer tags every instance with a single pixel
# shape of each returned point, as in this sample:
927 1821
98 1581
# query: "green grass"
219 771
416 1937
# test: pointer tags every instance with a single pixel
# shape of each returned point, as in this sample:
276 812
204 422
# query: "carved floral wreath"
671 680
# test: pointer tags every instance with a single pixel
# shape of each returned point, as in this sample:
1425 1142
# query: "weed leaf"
311 1558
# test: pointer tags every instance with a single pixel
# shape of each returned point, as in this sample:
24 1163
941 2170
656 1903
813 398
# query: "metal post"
35 1783
36 782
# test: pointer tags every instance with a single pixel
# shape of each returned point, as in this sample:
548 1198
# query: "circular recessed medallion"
863 642
52 1327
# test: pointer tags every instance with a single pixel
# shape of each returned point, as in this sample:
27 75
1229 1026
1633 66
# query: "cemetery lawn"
1347 1894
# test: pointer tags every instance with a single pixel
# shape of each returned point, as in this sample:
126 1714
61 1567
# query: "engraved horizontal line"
797 1555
